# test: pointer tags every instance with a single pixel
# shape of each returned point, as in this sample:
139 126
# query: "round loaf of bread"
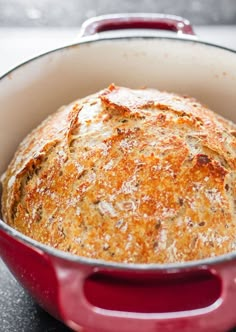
136 176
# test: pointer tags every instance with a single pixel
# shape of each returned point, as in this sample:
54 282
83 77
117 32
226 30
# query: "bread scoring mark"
73 123
25 176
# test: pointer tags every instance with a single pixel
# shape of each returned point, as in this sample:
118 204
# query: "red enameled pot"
93 295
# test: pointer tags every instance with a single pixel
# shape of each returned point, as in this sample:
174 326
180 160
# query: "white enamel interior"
39 87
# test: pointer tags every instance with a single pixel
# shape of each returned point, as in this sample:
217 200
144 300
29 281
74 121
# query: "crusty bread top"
127 175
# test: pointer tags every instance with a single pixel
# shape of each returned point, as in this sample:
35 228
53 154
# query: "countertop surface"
18 312
72 13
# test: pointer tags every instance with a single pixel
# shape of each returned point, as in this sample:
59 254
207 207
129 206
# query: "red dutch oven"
93 295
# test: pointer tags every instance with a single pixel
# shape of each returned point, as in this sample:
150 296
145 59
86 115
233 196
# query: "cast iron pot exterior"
93 295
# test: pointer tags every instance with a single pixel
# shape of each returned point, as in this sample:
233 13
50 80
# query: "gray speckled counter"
72 13
18 312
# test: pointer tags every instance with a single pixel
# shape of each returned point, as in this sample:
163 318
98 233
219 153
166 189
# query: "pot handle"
136 21
77 311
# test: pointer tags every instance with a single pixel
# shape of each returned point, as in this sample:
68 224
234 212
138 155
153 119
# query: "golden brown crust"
127 175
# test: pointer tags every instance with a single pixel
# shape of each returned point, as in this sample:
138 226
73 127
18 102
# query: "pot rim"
93 39
45 249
